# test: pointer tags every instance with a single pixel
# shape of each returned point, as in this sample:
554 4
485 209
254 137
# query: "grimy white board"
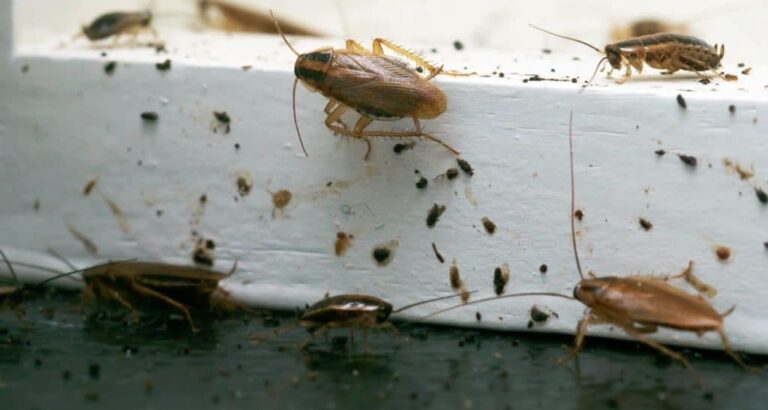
64 121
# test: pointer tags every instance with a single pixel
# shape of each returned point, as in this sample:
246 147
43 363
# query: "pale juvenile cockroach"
115 24
349 311
376 86
663 51
230 17
131 283
638 305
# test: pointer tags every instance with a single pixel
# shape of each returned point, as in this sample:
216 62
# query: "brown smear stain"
743 173
469 195
456 283
343 242
243 182
117 212
645 224
438 255
198 211
89 245
501 279
280 200
337 186
723 253
489 226
90 185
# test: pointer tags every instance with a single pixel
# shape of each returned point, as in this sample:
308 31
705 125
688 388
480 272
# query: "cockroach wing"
652 301
378 86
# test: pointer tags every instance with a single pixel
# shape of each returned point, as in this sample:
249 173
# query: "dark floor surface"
60 358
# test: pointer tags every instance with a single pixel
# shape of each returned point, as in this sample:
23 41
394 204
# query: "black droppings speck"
419 70
645 224
546 51
741 65
210 244
538 315
110 67
681 101
530 324
400 147
458 45
705 81
434 214
501 75
573 80
243 186
499 282
94 371
237 146
159 213
422 183
543 268
761 195
381 254
765 245
478 316
488 224
224 121
203 199
451 173
732 109
164 66
552 70
579 214
149 116
25 68
660 152
437 253
525 80
103 54
688 159
465 166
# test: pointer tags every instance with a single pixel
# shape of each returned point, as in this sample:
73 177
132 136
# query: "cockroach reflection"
116 24
230 17
349 311
376 86
639 305
11 294
664 51
134 283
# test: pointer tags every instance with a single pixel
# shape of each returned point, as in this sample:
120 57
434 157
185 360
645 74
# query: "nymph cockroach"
131 283
376 86
638 305
663 51
226 16
115 24
350 311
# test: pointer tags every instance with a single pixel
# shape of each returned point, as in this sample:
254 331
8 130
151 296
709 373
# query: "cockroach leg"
378 50
631 331
330 107
729 352
157 295
354 46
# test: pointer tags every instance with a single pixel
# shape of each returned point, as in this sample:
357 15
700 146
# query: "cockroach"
349 311
663 51
226 16
376 86
115 24
130 283
639 305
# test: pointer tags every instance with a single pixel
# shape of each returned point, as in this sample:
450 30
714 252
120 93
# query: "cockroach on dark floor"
663 51
350 311
115 24
638 305
226 16
376 86
132 283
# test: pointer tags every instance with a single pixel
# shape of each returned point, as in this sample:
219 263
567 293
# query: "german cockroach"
349 311
639 305
131 283
226 16
116 24
663 51
376 86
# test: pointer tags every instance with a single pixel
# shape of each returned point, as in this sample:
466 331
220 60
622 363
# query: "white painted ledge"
64 122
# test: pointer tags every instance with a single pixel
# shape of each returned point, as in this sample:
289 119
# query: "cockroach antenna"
567 38
63 275
423 302
511 295
573 195
10 267
295 119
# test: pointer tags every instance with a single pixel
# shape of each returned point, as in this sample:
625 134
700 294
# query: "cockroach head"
311 67
613 54
383 312
588 290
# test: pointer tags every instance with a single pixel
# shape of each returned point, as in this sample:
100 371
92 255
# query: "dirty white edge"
64 122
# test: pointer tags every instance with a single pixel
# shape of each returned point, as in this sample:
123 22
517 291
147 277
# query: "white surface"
65 122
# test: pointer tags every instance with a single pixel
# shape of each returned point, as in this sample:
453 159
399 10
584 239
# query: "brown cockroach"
663 51
376 86
115 24
226 16
130 283
350 311
639 305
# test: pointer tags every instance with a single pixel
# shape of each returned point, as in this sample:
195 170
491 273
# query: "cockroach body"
119 23
647 26
376 86
231 17
131 283
663 51
639 305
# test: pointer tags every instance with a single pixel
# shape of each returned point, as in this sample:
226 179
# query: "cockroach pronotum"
638 305
117 23
131 283
376 86
350 311
226 16
663 51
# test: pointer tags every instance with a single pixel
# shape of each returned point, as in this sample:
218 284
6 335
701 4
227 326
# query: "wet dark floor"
62 358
